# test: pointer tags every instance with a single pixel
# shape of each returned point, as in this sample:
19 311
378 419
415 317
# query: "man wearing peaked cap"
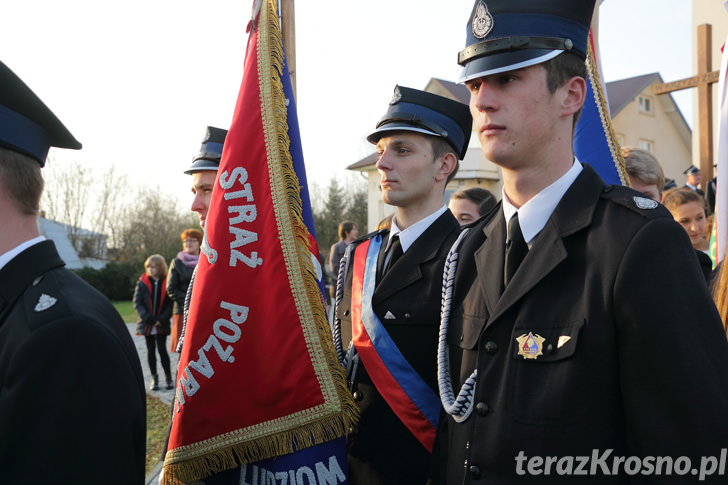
204 170
579 322
72 401
390 290
693 178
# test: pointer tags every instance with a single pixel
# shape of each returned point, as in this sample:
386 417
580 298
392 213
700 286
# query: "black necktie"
516 249
395 250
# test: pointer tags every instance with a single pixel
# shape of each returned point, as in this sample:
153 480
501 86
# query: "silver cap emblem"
645 203
44 302
482 21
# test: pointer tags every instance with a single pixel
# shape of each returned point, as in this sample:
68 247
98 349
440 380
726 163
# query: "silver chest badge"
645 203
482 21
44 302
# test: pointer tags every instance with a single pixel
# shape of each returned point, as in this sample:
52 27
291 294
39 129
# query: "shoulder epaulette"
635 201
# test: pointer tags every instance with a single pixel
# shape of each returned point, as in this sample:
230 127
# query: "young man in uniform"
72 400
204 170
391 298
579 329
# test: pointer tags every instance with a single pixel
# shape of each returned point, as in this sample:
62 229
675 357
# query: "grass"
158 414
126 310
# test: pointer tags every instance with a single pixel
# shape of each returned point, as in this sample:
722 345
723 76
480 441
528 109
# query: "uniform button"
482 409
475 473
407 316
358 395
491 347
346 313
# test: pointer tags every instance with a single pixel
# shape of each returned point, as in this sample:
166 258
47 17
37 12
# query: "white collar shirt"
533 215
407 237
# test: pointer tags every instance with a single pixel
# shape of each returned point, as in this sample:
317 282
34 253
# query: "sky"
138 81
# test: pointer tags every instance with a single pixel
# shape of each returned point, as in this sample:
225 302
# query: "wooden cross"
706 76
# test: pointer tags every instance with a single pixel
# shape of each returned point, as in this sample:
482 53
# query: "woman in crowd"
688 208
154 309
178 279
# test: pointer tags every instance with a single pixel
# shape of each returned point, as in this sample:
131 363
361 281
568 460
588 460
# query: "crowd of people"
567 318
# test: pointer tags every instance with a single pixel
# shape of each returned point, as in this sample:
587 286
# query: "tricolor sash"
411 399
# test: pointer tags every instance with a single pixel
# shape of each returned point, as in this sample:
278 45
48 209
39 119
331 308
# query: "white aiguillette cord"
461 406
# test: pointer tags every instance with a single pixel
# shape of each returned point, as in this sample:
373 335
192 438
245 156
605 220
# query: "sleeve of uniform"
75 407
673 350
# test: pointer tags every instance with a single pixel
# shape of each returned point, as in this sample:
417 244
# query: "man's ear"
446 165
574 95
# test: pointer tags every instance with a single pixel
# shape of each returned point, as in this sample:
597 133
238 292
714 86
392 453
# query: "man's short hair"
21 180
640 164
562 68
440 147
345 228
483 198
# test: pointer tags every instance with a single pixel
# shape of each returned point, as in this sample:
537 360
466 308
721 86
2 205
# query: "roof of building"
57 233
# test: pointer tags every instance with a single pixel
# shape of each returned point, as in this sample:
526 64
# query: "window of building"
646 145
645 104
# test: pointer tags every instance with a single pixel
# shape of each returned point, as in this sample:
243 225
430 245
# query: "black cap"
691 170
669 184
210 152
27 126
429 114
503 35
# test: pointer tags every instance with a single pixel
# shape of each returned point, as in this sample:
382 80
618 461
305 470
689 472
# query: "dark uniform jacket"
72 401
634 358
382 449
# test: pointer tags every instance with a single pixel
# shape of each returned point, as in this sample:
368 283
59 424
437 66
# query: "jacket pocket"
548 380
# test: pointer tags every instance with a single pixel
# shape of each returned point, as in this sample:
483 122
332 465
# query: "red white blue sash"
411 399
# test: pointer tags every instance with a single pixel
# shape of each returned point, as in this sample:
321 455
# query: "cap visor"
391 127
505 61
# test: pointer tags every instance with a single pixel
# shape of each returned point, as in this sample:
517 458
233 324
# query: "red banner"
258 374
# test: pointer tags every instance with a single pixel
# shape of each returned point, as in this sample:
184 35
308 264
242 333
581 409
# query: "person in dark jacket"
178 280
391 280
576 323
72 401
154 308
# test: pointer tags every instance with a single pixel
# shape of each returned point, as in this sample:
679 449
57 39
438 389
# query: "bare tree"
66 196
109 205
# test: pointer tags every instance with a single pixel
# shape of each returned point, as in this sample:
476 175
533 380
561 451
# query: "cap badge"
645 203
530 346
395 97
482 21
44 302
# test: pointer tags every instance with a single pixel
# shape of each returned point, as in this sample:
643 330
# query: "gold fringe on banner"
600 99
339 413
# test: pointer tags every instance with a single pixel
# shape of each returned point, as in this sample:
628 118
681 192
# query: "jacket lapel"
406 270
489 259
573 213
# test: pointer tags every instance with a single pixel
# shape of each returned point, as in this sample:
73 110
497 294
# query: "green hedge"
115 280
